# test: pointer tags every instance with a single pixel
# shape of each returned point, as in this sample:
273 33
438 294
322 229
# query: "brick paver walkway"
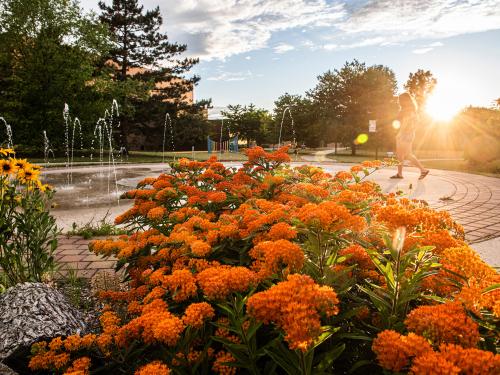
475 203
74 253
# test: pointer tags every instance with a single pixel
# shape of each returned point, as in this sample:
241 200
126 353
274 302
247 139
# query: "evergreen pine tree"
140 44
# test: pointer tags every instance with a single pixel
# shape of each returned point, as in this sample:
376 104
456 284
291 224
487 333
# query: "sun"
445 103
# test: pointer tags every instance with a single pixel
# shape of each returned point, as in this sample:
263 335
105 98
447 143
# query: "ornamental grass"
268 269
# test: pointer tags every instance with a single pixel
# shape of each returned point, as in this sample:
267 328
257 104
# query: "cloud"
219 29
283 47
362 43
415 19
421 51
427 48
231 76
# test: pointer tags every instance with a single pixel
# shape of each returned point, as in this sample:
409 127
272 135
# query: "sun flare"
444 104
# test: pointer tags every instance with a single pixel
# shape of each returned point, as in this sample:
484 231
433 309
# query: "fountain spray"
287 109
8 130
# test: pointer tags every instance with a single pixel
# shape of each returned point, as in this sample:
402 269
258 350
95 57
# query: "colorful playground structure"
231 145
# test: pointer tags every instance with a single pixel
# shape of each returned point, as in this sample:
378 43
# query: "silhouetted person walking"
408 118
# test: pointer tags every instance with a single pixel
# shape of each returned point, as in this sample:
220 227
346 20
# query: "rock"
32 312
4 370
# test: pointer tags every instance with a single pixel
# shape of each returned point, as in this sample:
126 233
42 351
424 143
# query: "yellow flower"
6 151
43 187
7 167
21 163
27 175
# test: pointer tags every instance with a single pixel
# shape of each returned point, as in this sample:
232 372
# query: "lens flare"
361 139
396 124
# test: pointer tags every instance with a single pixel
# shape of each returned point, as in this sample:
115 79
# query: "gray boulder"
31 312
5 370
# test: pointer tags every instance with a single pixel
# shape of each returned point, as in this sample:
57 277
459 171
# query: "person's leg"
416 162
400 154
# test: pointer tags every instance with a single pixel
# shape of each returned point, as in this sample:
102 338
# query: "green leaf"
359 364
491 288
284 361
329 358
253 329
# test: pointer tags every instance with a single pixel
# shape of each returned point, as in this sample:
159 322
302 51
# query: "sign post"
372 128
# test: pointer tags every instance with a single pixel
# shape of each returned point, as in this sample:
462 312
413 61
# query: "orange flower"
433 364
153 368
220 367
216 196
471 361
217 282
394 351
168 330
295 306
79 366
200 248
330 216
182 285
157 213
281 231
274 256
446 323
358 255
197 313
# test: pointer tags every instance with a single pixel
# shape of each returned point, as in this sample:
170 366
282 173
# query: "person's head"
407 103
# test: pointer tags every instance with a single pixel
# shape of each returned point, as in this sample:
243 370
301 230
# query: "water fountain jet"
168 120
287 109
8 130
46 148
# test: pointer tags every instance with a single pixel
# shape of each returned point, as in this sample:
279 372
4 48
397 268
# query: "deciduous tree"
421 84
48 52
348 98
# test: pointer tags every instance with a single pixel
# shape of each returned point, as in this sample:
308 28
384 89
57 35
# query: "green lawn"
449 160
488 169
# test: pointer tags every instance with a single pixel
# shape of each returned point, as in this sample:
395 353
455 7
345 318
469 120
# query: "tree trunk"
353 149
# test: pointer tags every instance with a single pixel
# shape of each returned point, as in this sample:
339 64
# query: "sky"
253 51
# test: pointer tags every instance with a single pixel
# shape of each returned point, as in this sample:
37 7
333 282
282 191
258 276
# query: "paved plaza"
472 200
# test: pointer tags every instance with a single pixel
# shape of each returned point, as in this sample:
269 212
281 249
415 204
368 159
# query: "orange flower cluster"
153 368
197 313
258 158
465 262
220 367
471 360
330 216
433 363
273 257
398 353
52 357
446 323
415 216
220 281
394 351
79 366
295 306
